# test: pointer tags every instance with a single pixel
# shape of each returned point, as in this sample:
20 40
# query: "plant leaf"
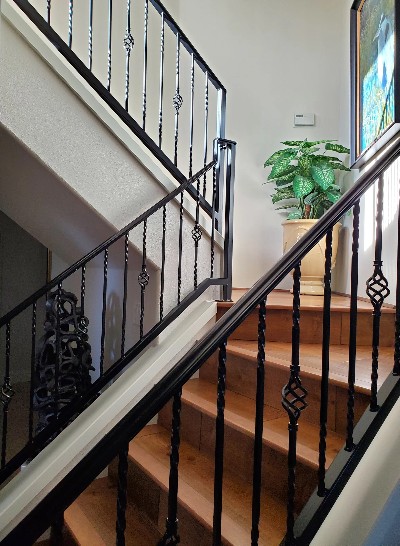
339 167
295 215
280 167
308 200
283 193
302 186
323 175
292 142
274 157
333 196
337 148
310 144
287 177
285 207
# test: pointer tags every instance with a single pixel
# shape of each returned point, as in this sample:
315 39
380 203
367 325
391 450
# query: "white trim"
27 489
82 89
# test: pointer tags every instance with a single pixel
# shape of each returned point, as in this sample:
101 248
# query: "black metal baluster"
219 445
353 328
180 244
377 290
163 262
103 312
33 369
70 13
122 495
129 42
143 278
146 25
90 35
326 336
259 423
293 401
205 133
7 392
396 365
59 349
48 11
171 536
160 114
191 117
109 45
213 220
83 288
196 235
177 100
125 295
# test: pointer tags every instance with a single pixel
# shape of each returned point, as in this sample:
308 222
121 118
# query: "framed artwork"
375 89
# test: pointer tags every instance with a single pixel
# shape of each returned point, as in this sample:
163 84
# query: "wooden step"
198 428
242 367
148 477
91 519
279 319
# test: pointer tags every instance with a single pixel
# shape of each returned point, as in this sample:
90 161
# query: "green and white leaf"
283 193
292 142
333 196
302 186
280 167
274 157
323 175
340 167
309 199
286 177
295 215
337 148
311 144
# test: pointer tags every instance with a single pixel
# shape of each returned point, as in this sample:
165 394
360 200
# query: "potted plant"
304 174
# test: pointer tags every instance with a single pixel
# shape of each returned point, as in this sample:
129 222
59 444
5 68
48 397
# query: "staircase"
92 515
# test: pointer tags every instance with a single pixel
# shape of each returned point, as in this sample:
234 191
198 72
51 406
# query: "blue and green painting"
376 66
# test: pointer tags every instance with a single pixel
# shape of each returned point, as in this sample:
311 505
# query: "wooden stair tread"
283 299
240 414
278 354
196 484
91 519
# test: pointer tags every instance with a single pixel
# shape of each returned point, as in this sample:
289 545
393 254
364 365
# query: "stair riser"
241 378
198 429
152 499
279 327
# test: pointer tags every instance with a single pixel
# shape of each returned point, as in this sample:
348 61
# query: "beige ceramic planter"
312 265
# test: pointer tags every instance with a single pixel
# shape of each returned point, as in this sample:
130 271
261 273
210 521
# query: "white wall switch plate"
304 119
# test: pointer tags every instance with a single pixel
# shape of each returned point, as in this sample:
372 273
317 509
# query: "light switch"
304 119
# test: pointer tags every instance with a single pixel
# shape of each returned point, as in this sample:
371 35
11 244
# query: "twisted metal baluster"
122 496
163 262
59 350
219 445
377 290
396 365
196 235
125 295
83 289
293 401
146 23
191 117
33 369
143 278
205 133
109 45
353 328
171 536
90 35
180 250
103 313
259 423
177 100
213 220
323 417
7 392
160 112
70 13
129 42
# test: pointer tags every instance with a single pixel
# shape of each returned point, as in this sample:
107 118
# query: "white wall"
275 59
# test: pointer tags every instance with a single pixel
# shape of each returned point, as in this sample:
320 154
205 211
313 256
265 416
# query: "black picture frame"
360 157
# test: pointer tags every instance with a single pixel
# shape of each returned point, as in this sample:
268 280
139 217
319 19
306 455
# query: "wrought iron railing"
294 393
66 318
139 61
